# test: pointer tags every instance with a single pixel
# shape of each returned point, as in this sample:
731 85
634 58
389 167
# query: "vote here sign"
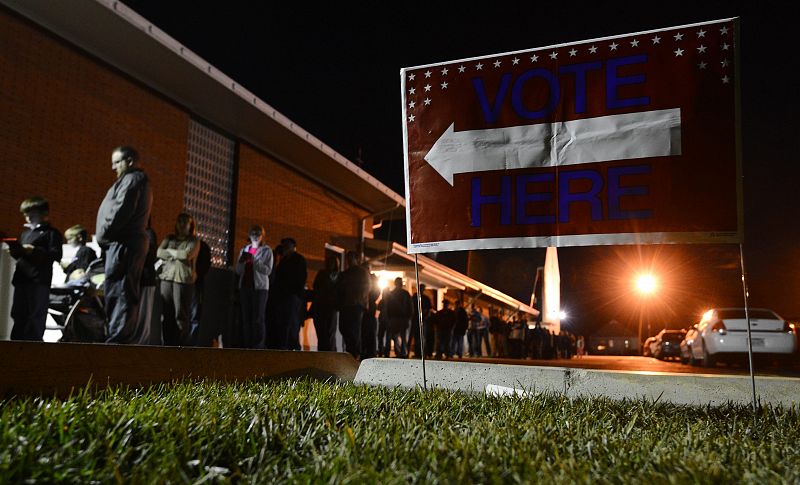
630 139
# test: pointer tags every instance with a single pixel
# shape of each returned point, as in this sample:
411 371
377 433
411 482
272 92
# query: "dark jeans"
29 311
197 311
477 337
472 341
444 338
325 323
350 327
457 345
286 327
430 336
123 270
254 305
149 331
369 335
397 329
176 301
383 337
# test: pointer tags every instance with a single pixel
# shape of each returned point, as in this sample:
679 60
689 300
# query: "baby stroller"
77 308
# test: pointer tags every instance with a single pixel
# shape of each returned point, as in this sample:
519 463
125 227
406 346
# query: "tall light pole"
646 284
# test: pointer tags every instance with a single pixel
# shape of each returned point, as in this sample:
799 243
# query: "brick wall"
289 205
62 114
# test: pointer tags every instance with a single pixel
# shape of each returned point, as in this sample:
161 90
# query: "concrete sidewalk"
696 389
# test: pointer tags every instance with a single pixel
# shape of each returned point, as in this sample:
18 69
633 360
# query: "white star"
411 105
427 74
572 52
515 61
427 101
701 49
725 46
678 36
412 90
497 63
461 68
444 71
411 119
679 52
553 55
444 85
411 77
725 79
724 63
427 87
634 43
656 40
534 58
701 33
614 46
479 66
723 30
593 50
702 65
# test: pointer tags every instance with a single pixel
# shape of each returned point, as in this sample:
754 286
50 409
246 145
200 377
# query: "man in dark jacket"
325 305
445 322
121 230
353 294
459 330
398 306
289 293
369 324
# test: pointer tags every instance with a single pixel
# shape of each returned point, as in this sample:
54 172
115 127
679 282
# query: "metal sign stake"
749 334
421 324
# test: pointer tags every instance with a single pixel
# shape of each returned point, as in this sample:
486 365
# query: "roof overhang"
436 274
119 36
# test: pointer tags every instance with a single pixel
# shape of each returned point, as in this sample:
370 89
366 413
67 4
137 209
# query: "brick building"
80 78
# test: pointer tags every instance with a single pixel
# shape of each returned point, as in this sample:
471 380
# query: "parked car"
686 345
722 333
667 344
646 352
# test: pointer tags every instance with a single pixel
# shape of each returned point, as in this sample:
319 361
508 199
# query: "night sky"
334 69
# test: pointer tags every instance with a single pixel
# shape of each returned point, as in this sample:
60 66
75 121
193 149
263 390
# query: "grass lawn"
311 432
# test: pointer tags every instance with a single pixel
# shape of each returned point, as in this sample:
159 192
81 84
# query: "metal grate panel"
209 188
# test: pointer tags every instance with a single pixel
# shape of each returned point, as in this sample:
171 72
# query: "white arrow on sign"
615 137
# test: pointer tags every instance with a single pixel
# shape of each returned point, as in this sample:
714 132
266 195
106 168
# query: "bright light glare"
383 283
646 284
562 315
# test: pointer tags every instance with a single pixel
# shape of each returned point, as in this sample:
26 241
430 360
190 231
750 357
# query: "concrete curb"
59 368
695 389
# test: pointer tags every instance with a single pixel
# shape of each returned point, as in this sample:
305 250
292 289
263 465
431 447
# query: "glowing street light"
646 284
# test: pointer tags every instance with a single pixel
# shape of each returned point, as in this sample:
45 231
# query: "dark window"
738 313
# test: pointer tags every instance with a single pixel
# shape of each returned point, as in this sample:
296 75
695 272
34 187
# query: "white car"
723 332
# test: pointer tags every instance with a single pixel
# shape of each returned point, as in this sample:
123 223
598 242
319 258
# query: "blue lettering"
523 198
566 197
615 192
580 71
491 113
516 94
613 82
503 199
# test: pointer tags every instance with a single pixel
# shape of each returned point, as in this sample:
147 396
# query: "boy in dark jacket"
37 248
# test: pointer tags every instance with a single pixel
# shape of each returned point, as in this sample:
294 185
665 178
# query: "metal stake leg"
749 336
421 324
